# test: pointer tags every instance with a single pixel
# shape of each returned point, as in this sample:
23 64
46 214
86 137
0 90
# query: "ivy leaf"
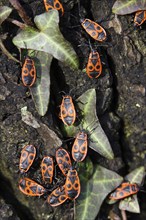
4 13
40 91
131 204
98 141
47 38
136 176
122 7
94 191
85 168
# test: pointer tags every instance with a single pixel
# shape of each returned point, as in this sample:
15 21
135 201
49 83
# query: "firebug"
30 187
140 17
93 29
47 169
80 146
27 157
63 160
72 184
124 190
53 4
57 197
28 72
94 65
67 111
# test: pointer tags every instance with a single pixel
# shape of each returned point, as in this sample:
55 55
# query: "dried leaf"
28 118
50 138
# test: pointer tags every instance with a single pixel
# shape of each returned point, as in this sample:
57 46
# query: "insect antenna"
90 45
63 93
142 190
71 91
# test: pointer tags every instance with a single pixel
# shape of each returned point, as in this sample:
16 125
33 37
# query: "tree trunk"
120 102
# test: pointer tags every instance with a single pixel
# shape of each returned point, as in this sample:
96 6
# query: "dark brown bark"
120 103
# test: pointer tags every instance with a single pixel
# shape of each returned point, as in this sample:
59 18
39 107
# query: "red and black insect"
72 184
140 18
28 72
63 160
57 197
94 65
93 29
53 4
47 169
30 187
27 157
124 190
80 146
67 111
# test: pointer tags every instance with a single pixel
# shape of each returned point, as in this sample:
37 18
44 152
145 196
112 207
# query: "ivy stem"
21 12
124 216
17 23
6 52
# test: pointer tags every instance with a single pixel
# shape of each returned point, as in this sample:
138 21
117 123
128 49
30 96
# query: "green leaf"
94 191
47 39
131 203
40 91
98 141
122 7
136 176
85 168
4 13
